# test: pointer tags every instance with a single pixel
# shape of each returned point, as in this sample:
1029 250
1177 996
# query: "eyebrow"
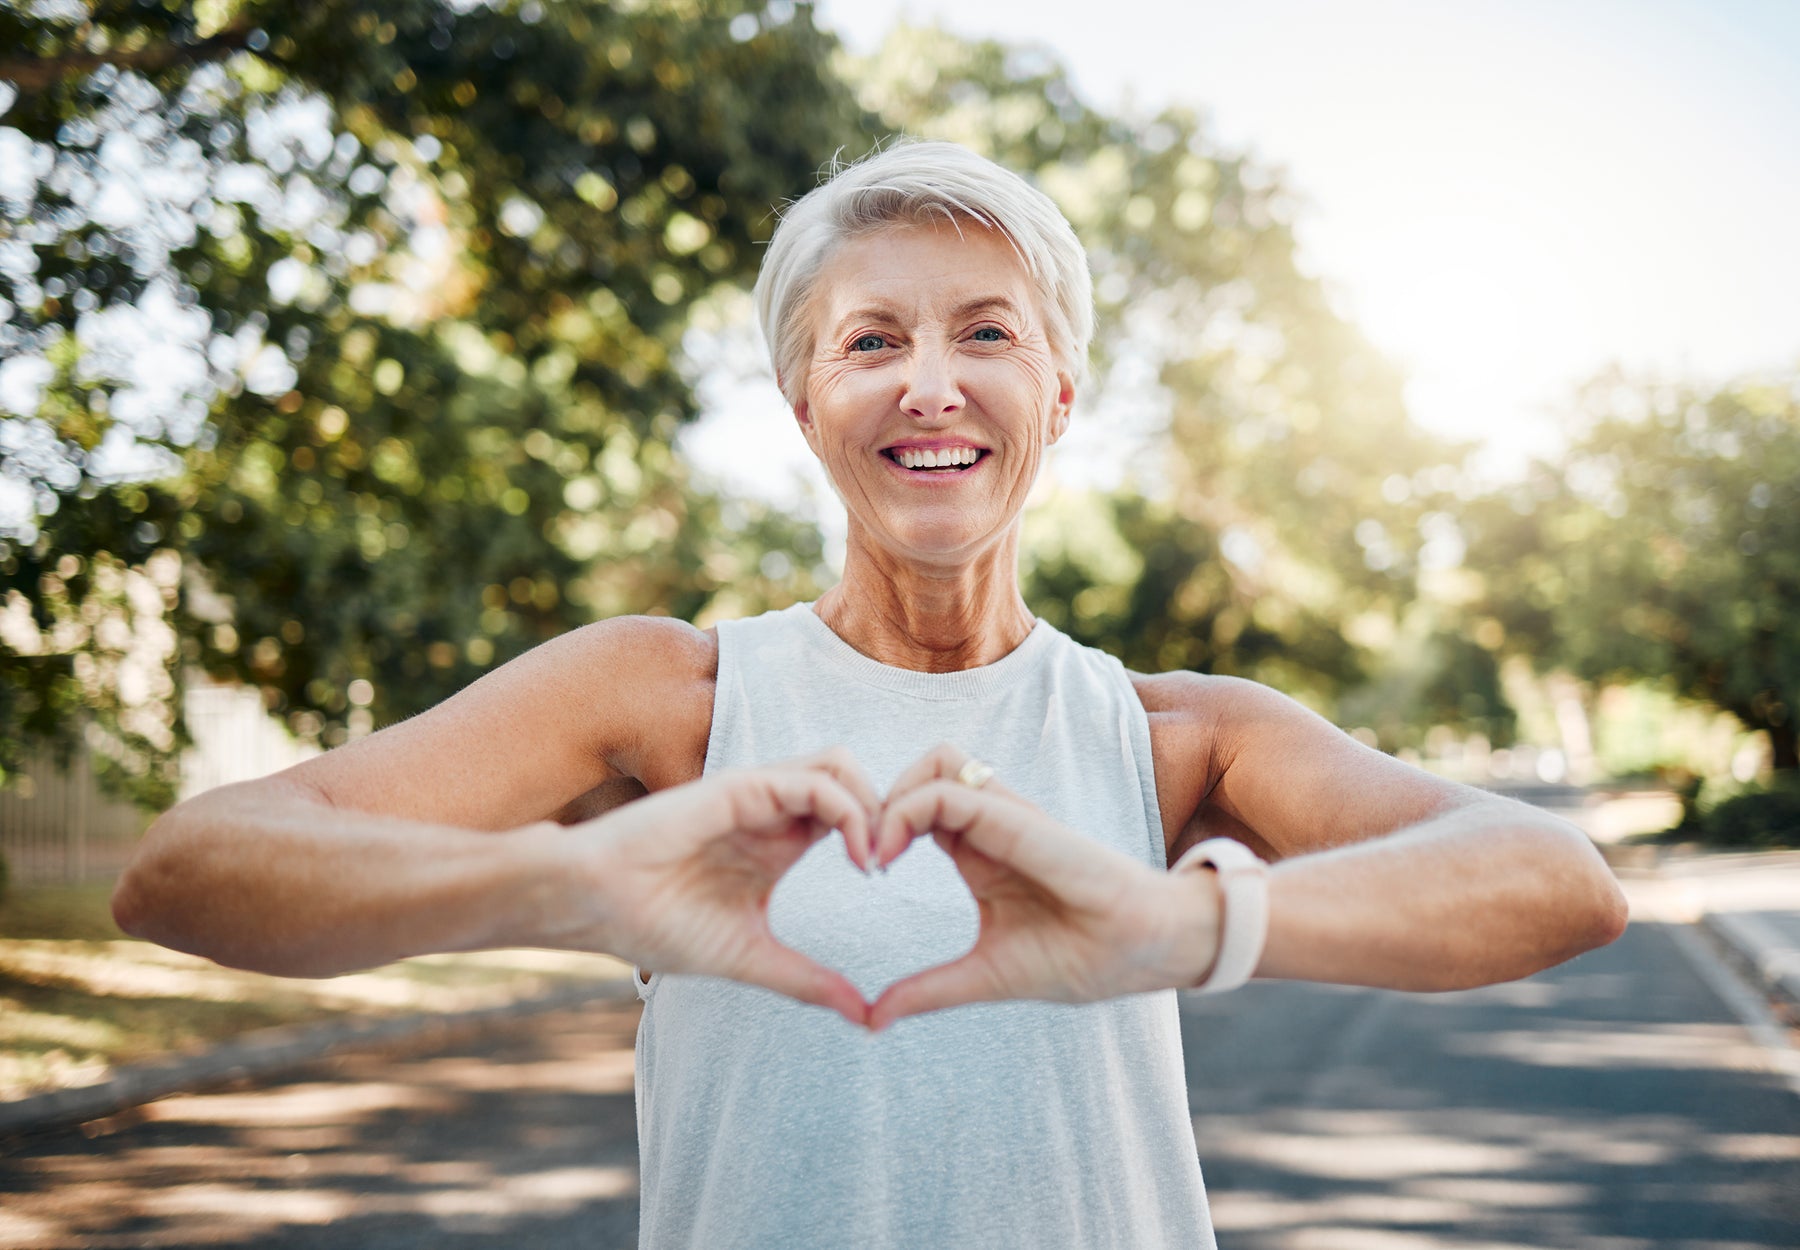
999 303
968 308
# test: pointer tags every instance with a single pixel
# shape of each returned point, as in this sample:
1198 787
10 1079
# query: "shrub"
1766 817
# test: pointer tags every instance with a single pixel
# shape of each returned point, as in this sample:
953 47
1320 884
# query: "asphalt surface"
525 1139
1614 1103
1610 1104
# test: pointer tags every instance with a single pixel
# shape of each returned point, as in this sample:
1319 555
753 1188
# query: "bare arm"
434 834
1384 875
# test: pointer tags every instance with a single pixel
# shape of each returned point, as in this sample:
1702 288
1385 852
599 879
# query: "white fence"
56 826
234 738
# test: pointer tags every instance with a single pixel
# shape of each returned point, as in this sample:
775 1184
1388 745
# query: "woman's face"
932 391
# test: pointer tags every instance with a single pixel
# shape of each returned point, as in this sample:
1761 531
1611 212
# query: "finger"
948 809
782 796
843 767
847 770
943 762
953 808
891 835
959 982
785 970
940 763
1016 834
842 764
859 846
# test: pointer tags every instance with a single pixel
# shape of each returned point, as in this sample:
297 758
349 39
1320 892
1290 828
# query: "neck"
929 618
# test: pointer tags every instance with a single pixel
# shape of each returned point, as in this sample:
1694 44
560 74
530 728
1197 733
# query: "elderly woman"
808 843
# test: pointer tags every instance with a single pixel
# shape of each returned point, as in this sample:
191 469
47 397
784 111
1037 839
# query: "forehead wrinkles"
948 309
923 273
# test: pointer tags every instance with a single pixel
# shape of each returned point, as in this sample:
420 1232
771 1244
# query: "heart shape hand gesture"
689 871
1063 917
684 875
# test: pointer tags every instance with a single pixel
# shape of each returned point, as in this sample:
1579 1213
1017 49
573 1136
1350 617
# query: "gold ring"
974 774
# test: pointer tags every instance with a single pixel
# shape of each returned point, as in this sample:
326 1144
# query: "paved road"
1611 1104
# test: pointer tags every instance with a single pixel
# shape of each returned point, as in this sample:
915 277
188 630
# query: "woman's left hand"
1063 917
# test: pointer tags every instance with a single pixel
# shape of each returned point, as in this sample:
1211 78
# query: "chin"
947 542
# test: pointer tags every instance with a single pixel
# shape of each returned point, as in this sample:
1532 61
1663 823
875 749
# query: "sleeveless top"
765 1122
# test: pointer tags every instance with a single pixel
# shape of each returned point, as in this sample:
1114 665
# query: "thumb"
968 979
781 968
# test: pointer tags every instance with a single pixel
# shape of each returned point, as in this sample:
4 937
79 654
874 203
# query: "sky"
1506 197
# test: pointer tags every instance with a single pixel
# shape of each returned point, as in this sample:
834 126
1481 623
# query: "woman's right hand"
683 876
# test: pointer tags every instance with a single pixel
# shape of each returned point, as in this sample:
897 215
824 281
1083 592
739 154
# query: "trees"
1665 544
1285 494
344 354
344 341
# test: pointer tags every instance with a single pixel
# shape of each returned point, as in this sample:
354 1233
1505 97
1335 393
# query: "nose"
931 393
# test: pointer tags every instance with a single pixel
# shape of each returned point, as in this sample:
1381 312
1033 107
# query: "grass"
78 913
78 997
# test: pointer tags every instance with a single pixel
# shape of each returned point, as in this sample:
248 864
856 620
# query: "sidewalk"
1748 903
269 1050
262 1052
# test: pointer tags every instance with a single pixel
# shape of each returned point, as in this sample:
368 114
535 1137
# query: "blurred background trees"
1664 544
1283 505
341 354
341 342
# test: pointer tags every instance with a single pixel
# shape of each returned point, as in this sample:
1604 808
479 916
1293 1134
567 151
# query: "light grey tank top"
764 1122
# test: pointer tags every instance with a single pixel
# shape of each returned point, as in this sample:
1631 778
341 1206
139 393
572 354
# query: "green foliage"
1433 674
1665 545
420 278
1181 604
1463 687
1765 817
1286 490
359 333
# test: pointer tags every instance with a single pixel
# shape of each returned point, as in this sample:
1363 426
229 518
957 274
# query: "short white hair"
908 183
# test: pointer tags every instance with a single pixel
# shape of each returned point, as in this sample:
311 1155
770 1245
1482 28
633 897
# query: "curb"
1769 958
267 1051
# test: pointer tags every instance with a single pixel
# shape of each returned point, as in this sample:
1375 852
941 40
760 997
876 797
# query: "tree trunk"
1785 742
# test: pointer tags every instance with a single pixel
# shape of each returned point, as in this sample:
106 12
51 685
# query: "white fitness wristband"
1244 898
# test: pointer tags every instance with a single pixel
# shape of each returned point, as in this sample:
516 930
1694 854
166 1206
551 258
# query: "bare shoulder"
1240 759
583 721
1191 716
1225 712
1183 694
661 712
663 650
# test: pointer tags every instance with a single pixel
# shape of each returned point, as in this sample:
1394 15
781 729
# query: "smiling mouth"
949 460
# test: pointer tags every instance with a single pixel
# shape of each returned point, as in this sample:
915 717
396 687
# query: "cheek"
1028 389
841 389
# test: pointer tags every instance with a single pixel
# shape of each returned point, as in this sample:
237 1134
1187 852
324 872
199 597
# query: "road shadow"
528 1139
1610 1103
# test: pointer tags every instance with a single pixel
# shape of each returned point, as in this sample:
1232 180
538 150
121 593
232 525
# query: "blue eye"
869 343
999 336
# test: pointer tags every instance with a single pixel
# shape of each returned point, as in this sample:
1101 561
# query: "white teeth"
926 458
